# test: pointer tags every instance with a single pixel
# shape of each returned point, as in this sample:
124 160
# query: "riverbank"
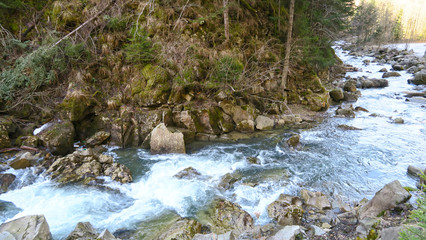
251 176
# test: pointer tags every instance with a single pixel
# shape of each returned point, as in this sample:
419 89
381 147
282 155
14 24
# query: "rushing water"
354 164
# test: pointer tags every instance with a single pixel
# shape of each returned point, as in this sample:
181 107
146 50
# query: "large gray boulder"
419 78
264 123
32 227
165 141
387 198
391 74
59 137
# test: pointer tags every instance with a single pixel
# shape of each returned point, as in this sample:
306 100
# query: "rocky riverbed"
286 184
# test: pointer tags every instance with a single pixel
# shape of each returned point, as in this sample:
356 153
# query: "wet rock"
288 233
397 67
337 94
59 137
293 141
383 70
398 120
245 126
415 94
345 112
264 123
351 96
5 181
419 78
97 139
243 118
253 160
373 83
414 171
86 166
348 218
32 227
187 173
347 127
315 199
391 74
350 86
339 205
227 181
20 163
224 216
184 119
358 109
388 197
83 231
287 210
165 141
184 229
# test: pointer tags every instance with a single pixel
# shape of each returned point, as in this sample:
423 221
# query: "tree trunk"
279 15
287 47
226 18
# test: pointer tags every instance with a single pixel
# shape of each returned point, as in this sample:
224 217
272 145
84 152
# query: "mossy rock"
78 104
154 88
4 137
59 138
318 101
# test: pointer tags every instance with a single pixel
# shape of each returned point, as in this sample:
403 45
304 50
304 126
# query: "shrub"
227 70
140 49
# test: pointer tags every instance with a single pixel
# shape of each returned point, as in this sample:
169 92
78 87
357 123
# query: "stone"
337 94
293 141
387 198
253 160
287 233
350 86
7 236
33 227
224 216
348 218
345 112
317 230
20 163
414 171
97 139
383 70
365 225
59 137
31 141
419 78
184 229
318 101
5 181
351 96
373 83
227 181
391 74
391 233
165 141
226 236
397 67
78 102
398 120
106 235
83 231
184 119
358 109
264 123
347 127
245 126
4 137
315 199
287 210
187 173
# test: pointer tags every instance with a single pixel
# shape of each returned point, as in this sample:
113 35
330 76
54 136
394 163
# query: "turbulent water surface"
354 164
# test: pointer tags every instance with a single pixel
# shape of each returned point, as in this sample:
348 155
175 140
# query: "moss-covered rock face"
4 137
224 216
59 138
78 105
154 88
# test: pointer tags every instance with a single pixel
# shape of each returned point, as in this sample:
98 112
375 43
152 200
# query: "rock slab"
165 141
32 227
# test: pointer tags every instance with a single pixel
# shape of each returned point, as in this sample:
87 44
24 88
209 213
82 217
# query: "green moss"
410 189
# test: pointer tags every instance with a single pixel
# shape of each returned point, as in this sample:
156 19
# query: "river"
353 164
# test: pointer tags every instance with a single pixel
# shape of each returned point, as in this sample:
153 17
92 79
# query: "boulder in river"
351 96
293 141
165 141
345 112
350 86
383 70
187 173
391 74
414 171
5 181
32 227
86 166
59 137
373 83
83 231
264 123
419 78
398 67
398 120
337 94
387 198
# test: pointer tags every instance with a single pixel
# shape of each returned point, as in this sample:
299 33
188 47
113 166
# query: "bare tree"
287 47
226 18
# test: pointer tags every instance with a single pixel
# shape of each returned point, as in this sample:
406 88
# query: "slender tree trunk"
226 18
287 47
279 15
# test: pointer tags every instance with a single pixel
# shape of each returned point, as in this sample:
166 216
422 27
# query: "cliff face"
133 64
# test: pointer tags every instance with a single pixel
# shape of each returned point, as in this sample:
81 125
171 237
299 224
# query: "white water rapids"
354 164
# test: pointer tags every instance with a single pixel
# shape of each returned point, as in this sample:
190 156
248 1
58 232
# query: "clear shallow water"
354 164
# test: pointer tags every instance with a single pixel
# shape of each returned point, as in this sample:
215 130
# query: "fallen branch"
85 23
15 149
